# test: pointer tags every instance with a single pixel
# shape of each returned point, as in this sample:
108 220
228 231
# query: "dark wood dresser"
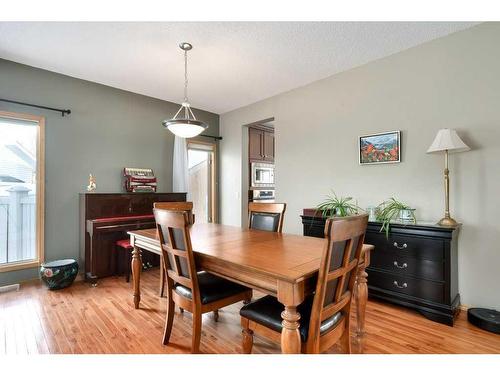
416 266
106 217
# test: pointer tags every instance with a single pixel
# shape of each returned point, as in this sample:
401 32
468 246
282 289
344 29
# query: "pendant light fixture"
184 124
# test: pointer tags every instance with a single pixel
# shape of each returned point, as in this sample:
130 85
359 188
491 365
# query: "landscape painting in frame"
380 148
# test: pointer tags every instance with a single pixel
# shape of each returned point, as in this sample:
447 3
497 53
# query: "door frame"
214 201
40 193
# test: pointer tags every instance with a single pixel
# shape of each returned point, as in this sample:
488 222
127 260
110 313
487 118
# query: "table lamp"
447 140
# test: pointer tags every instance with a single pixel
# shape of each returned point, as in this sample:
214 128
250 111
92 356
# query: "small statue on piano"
92 186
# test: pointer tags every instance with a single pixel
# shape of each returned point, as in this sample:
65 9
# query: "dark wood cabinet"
255 144
261 144
416 266
268 146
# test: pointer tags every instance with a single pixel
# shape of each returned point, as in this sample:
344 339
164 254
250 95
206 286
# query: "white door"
202 180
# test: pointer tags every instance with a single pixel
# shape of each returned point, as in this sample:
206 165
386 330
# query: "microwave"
262 175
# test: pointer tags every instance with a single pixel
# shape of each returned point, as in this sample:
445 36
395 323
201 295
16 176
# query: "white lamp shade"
186 130
447 140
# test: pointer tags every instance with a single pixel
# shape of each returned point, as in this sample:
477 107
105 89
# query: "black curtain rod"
211 136
63 111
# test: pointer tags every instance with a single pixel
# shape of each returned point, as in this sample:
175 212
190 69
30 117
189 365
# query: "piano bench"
125 245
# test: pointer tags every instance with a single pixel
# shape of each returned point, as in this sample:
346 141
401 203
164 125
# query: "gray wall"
450 82
107 130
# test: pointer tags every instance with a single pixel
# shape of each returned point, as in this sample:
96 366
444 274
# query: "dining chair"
266 216
177 206
196 292
172 206
325 315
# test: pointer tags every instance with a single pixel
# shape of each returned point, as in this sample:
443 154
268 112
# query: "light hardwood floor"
82 319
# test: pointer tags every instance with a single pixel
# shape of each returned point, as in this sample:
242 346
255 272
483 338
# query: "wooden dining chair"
325 315
172 206
196 292
266 216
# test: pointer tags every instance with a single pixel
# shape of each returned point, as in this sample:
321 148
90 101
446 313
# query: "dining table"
278 264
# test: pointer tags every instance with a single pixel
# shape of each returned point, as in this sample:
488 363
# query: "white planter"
406 215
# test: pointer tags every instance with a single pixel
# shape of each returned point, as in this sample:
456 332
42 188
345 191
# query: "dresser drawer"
409 246
424 289
408 266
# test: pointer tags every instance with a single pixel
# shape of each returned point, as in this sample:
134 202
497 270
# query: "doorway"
202 180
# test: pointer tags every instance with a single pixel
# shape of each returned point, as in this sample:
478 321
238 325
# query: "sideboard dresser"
415 266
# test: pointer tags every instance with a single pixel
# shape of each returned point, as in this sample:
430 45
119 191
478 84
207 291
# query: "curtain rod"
63 111
211 136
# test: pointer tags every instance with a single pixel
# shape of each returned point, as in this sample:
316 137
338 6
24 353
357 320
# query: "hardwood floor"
82 319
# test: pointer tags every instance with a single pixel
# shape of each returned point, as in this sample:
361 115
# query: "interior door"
202 189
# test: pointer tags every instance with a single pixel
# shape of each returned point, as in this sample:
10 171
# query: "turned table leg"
290 336
361 299
136 275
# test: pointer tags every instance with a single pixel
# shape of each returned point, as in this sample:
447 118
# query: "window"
21 190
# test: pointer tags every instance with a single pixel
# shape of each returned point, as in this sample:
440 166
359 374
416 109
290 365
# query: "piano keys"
106 218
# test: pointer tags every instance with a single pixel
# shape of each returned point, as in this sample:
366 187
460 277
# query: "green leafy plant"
334 206
390 210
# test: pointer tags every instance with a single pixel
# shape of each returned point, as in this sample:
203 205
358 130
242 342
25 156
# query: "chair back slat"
177 206
337 272
181 280
173 231
266 216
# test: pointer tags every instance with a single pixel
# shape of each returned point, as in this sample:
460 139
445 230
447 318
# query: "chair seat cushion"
124 243
267 312
212 288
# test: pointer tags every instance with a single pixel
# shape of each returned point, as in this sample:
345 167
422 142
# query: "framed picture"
380 148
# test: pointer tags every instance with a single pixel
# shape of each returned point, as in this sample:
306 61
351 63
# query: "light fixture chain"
185 78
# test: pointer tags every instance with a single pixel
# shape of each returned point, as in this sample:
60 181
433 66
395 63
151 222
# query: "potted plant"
334 206
392 210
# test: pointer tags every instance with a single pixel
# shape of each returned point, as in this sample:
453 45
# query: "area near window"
21 190
202 180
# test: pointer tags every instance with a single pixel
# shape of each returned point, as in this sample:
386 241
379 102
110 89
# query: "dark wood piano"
106 217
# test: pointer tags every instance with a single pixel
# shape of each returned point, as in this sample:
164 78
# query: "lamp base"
447 222
486 319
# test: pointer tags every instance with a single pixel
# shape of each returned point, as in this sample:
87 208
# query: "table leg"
136 275
361 299
290 336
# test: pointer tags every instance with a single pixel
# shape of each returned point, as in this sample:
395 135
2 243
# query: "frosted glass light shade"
185 128
447 140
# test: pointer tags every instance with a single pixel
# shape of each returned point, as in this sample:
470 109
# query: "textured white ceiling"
232 64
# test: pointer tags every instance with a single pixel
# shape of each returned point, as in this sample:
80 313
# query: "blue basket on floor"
59 274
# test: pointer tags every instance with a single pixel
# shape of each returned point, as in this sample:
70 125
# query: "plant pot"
59 274
407 215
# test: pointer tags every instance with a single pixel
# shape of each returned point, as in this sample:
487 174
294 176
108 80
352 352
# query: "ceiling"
231 65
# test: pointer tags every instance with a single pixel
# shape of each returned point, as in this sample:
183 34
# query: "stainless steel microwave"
262 175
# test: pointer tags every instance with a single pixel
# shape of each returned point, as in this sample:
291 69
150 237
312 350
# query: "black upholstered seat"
267 312
212 288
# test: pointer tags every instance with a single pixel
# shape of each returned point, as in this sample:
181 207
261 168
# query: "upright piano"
106 217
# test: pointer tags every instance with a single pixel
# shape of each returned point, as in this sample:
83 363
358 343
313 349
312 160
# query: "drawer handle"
400 247
405 285
405 265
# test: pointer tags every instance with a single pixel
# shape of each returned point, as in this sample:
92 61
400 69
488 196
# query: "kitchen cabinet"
261 144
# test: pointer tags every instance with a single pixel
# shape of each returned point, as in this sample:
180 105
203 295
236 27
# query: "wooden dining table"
278 264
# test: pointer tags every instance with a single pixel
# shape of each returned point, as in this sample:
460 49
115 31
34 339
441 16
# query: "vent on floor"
9 288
